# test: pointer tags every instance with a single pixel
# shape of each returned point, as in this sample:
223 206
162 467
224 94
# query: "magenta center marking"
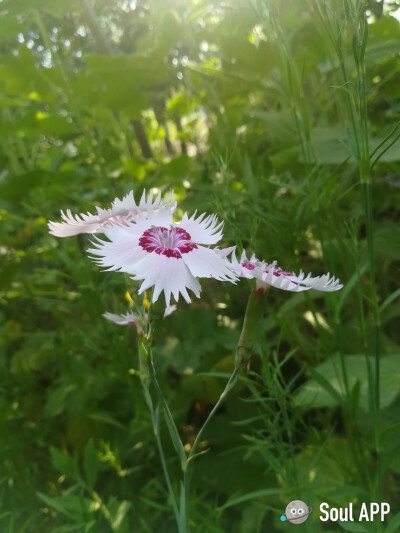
169 242
278 272
248 265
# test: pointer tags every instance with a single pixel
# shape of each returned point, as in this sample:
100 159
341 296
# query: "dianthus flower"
122 320
131 318
272 275
164 254
121 212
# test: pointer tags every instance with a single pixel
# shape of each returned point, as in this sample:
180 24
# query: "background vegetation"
282 117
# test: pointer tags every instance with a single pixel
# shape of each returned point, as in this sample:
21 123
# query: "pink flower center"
248 265
171 243
278 272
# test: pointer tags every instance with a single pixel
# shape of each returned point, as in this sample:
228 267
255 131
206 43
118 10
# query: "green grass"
283 118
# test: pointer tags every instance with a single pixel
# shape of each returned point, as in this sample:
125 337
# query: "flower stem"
173 430
188 470
181 515
244 351
148 376
145 375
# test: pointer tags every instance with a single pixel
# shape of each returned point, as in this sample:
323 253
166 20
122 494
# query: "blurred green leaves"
314 394
244 109
64 464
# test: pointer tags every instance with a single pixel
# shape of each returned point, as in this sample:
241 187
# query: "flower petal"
272 275
74 225
124 206
122 320
122 211
207 263
202 230
169 310
168 274
113 256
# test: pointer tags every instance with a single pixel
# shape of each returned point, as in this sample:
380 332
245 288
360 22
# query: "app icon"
296 512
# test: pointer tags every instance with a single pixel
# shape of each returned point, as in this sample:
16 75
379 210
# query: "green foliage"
283 118
327 387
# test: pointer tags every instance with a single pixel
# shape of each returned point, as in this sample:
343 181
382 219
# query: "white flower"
272 275
131 318
122 320
169 310
166 255
120 213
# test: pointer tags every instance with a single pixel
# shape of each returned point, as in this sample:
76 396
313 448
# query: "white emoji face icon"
297 512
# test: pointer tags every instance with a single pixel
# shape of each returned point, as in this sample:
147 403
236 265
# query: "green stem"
244 351
366 187
176 439
144 377
229 386
188 471
251 324
254 312
356 99
182 515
